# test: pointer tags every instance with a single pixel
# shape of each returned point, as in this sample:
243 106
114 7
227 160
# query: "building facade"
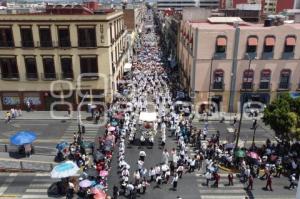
229 65
46 59
180 4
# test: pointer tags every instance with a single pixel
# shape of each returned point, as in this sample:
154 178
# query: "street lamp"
254 131
79 115
209 87
250 58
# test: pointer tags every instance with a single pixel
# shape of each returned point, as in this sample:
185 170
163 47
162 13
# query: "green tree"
282 116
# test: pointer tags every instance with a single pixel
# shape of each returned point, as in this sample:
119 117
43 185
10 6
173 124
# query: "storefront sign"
11 100
33 100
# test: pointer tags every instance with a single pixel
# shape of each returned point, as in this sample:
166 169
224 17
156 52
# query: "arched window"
221 44
252 44
289 45
218 79
248 78
284 82
265 78
269 44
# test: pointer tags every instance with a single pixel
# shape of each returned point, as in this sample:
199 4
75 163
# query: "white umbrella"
64 170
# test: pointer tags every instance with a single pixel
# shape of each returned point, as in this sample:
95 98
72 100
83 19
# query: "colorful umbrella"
111 128
240 154
64 170
103 173
94 190
253 155
62 145
85 183
23 137
100 195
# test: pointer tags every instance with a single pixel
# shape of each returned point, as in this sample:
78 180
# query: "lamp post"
209 86
79 115
254 131
242 105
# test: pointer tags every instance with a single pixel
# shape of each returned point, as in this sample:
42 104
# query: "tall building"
72 53
230 64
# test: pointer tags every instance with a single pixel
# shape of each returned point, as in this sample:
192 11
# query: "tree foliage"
283 116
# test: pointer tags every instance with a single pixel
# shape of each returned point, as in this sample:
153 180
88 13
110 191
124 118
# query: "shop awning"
252 41
221 41
127 67
270 41
290 41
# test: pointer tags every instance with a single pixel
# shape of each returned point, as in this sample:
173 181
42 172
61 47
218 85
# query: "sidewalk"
32 163
48 115
225 115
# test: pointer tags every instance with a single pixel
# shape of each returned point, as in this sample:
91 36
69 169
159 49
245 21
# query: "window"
49 68
218 79
221 45
269 44
89 65
27 38
252 44
248 79
265 78
9 68
66 67
110 32
31 69
87 37
284 82
45 37
64 37
290 43
6 37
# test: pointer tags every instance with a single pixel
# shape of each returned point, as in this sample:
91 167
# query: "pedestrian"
217 180
250 183
269 182
165 157
180 171
230 179
115 192
142 155
8 117
175 181
292 181
208 178
152 174
144 186
234 120
158 181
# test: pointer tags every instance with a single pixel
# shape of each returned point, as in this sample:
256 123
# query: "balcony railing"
264 86
49 76
67 76
64 43
27 44
32 76
218 86
284 86
10 76
267 55
7 44
46 44
247 86
87 44
90 77
288 55
220 56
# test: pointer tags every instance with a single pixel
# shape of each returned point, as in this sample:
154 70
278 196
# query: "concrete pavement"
48 115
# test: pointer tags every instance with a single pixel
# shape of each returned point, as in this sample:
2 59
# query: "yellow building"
45 56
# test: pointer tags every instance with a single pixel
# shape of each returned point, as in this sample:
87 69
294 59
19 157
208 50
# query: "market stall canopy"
127 67
148 117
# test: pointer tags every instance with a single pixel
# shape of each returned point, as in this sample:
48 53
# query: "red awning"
252 41
270 41
221 41
290 41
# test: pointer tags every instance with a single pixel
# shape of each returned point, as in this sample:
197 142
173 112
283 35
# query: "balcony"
87 44
288 55
93 77
7 44
266 86
10 76
64 44
32 76
247 86
282 86
67 76
220 56
49 76
267 55
27 44
218 86
45 44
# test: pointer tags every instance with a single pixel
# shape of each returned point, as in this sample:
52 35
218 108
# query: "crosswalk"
40 186
91 132
223 191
